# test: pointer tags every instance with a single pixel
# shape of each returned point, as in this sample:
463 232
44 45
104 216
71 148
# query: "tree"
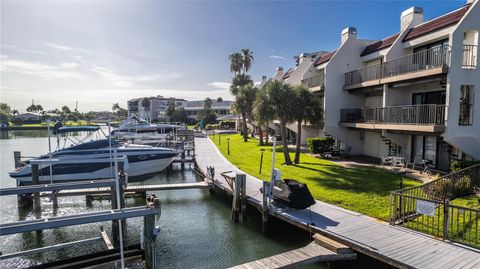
262 112
219 99
38 108
32 108
5 113
236 62
91 115
307 109
244 104
4 107
247 60
66 110
170 109
238 81
282 99
207 114
115 107
14 112
180 115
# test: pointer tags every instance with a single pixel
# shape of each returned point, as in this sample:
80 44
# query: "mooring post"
55 202
236 198
266 188
183 156
243 195
17 156
36 195
150 233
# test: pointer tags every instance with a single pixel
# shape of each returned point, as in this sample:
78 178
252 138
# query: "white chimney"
412 16
470 1
349 32
279 73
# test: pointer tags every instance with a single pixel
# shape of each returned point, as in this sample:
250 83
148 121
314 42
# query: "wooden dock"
393 245
320 250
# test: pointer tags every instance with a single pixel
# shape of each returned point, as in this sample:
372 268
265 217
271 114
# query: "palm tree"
244 104
236 62
146 105
238 81
247 60
307 108
14 112
263 112
115 107
281 97
38 108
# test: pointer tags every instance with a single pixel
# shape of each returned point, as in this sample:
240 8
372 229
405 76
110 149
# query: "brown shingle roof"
436 24
288 73
325 58
376 46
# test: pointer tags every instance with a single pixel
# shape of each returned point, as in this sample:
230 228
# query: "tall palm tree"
263 112
236 62
281 96
115 107
247 59
238 81
307 108
244 104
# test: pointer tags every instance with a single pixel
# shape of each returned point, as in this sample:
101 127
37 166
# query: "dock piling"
150 233
236 198
243 195
266 186
36 196
17 155
182 164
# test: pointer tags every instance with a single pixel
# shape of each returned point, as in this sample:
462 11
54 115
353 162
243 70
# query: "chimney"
470 2
264 79
412 16
279 73
349 32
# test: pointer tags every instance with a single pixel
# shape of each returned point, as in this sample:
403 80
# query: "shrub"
459 165
320 145
212 126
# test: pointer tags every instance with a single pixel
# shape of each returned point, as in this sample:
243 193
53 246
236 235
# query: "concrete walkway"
391 244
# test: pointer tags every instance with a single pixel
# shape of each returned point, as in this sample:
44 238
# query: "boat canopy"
69 129
96 144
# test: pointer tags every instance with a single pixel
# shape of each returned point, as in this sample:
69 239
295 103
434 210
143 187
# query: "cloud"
128 81
18 49
57 46
220 85
42 70
277 57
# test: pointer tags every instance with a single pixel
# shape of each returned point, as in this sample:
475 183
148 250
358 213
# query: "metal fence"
422 60
469 56
409 114
431 208
315 81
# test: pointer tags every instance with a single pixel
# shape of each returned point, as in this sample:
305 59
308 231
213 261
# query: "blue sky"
105 52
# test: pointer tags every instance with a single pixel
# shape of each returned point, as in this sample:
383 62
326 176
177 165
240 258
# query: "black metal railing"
315 81
422 60
469 56
431 207
408 115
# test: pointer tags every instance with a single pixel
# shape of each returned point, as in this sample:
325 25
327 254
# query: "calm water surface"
196 231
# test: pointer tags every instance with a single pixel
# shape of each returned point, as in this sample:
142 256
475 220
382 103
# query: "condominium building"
194 108
156 108
410 94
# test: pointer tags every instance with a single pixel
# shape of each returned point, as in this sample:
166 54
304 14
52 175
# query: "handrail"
317 80
470 53
421 60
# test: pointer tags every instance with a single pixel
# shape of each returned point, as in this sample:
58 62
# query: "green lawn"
66 123
362 189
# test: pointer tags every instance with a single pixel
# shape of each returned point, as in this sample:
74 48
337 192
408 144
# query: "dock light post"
228 145
261 160
219 140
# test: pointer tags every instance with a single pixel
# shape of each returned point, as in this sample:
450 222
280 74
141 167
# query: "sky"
104 52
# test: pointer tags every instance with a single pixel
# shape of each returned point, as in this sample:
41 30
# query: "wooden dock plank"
362 233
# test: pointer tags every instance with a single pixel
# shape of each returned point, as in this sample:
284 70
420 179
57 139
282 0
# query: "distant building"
29 117
194 108
157 110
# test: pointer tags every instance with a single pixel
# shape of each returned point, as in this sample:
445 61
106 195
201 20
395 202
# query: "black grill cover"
293 194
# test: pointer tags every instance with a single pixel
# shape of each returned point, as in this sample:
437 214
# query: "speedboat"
94 160
135 128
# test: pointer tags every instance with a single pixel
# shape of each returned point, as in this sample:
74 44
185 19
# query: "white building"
157 108
193 109
410 94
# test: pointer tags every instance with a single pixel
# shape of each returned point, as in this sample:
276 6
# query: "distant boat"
135 128
90 160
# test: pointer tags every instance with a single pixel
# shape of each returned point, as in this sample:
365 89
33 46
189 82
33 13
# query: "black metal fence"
409 114
470 53
431 208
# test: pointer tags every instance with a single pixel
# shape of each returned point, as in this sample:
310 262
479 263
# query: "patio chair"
386 161
346 153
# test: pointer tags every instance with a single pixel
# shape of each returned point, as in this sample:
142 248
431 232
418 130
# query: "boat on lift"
93 159
135 128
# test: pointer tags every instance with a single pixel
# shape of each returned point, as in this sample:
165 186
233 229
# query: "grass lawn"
362 189
66 123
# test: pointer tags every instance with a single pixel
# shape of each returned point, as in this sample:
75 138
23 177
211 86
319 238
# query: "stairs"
392 146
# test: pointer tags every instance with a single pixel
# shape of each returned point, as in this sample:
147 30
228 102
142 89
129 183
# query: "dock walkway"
394 245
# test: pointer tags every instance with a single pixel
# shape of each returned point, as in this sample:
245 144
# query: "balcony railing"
405 115
469 56
315 81
418 61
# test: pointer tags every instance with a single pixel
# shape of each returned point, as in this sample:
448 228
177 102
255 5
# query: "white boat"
91 160
134 128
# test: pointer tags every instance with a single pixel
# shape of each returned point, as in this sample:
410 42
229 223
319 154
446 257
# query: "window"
466 105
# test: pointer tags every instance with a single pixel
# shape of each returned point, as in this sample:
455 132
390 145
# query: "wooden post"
183 156
36 196
17 158
150 234
236 198
243 195
115 224
54 202
266 187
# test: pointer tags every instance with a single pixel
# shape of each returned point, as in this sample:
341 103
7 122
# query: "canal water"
196 231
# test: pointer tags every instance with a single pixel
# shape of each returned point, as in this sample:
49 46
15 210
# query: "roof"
325 58
436 24
376 46
69 129
288 73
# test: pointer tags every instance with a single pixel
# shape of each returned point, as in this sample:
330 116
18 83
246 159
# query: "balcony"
316 83
423 63
469 57
419 118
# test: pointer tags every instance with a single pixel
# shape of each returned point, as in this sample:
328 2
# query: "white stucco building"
410 94
193 109
157 108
